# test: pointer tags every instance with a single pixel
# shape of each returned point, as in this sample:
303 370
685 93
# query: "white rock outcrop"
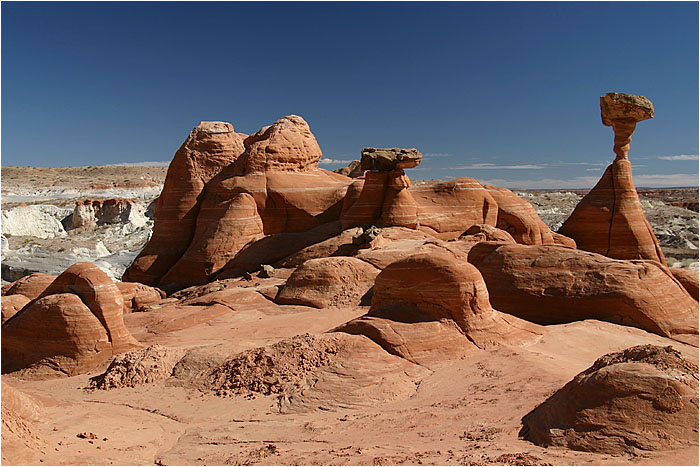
41 221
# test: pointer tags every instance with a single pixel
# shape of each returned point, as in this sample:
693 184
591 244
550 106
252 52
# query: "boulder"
11 304
31 286
432 307
75 325
642 398
555 284
210 147
136 295
325 282
389 159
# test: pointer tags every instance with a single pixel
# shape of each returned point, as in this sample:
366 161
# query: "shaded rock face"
74 325
554 284
389 159
137 295
89 214
269 184
431 307
325 282
688 279
643 398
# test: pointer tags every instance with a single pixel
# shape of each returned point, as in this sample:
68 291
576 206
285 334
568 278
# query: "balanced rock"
210 147
75 325
432 307
555 284
389 159
642 398
325 282
609 220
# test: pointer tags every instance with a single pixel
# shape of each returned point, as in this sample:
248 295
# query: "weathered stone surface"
554 284
31 286
353 170
287 145
643 398
454 206
144 366
609 220
11 304
399 207
389 159
619 106
442 307
136 295
325 282
76 324
517 217
210 147
367 207
89 214
688 279
35 221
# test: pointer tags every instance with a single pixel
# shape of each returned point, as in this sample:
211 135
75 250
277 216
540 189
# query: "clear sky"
507 93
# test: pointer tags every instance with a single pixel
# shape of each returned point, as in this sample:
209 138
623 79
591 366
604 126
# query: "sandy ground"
466 412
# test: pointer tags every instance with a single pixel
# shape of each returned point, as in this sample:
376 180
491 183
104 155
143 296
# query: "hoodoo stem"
623 136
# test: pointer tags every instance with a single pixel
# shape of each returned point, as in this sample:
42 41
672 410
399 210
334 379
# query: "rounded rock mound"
642 398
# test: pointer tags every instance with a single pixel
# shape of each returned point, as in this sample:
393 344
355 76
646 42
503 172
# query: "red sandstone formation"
11 304
554 284
274 187
432 307
326 282
609 220
136 295
688 279
210 147
30 286
643 398
73 326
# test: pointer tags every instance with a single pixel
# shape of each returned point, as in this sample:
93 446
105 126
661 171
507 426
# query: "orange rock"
136 295
454 206
368 206
325 282
399 207
555 284
609 220
643 398
76 324
688 279
21 442
517 217
427 306
11 304
210 147
31 286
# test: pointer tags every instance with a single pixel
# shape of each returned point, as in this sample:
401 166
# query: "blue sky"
503 92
